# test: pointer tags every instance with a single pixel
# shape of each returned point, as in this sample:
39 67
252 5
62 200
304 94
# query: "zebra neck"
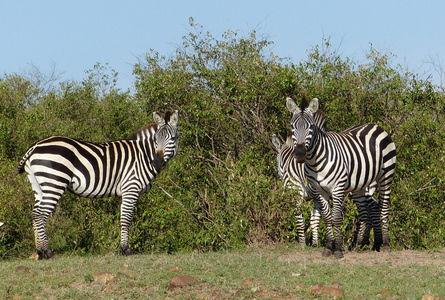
146 143
315 153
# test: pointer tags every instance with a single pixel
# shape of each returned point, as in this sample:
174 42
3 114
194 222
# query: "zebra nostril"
300 153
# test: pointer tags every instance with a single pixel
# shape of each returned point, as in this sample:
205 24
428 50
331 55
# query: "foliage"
222 190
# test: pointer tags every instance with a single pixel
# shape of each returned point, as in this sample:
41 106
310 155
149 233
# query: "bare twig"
426 186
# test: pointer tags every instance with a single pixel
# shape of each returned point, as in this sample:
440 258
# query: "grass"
274 272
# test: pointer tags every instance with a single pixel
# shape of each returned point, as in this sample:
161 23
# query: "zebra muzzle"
158 161
300 153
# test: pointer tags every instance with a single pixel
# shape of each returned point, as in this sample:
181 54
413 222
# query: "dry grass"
275 272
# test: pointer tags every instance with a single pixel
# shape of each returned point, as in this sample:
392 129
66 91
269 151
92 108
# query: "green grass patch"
284 271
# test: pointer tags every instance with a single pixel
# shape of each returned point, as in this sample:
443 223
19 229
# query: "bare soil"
371 258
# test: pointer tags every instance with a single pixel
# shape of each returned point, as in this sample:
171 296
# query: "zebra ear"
174 119
276 142
313 106
289 141
291 105
159 120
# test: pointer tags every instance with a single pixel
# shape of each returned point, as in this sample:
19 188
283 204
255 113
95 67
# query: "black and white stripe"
123 168
341 163
292 174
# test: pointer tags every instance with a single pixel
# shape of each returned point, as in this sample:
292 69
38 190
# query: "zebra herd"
328 165
319 163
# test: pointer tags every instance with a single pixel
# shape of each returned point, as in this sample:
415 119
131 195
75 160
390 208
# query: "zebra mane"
142 132
320 120
167 116
304 103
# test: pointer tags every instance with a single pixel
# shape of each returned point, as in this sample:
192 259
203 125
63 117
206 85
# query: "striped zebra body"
293 176
292 173
123 168
341 163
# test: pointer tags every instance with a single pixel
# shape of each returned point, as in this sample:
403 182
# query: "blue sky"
75 35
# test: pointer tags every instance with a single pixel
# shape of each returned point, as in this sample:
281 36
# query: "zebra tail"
21 165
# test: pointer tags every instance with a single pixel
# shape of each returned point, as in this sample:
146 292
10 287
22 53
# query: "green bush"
222 189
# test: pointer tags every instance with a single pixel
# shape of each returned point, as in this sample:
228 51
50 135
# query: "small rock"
298 274
108 288
22 268
320 289
335 284
181 281
317 289
175 270
427 297
249 281
104 277
332 291
256 289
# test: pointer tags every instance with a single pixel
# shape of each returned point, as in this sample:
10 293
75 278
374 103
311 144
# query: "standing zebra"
341 163
293 176
124 168
292 173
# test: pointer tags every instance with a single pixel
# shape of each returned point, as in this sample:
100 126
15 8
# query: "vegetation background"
222 190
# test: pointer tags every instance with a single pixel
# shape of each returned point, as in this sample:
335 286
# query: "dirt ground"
370 258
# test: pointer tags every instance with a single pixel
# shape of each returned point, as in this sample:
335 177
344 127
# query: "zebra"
293 176
292 173
341 163
123 168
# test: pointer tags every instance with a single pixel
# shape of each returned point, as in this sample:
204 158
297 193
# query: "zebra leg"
337 220
46 201
357 234
365 229
359 199
374 216
384 196
315 222
129 200
300 226
327 217
39 219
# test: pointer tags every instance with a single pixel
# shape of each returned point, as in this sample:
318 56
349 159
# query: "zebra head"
277 144
303 124
283 152
166 138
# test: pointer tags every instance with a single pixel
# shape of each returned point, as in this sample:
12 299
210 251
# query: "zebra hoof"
45 254
126 251
376 248
49 254
338 254
326 252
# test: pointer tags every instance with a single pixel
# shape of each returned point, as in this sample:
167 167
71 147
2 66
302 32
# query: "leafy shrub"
222 190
